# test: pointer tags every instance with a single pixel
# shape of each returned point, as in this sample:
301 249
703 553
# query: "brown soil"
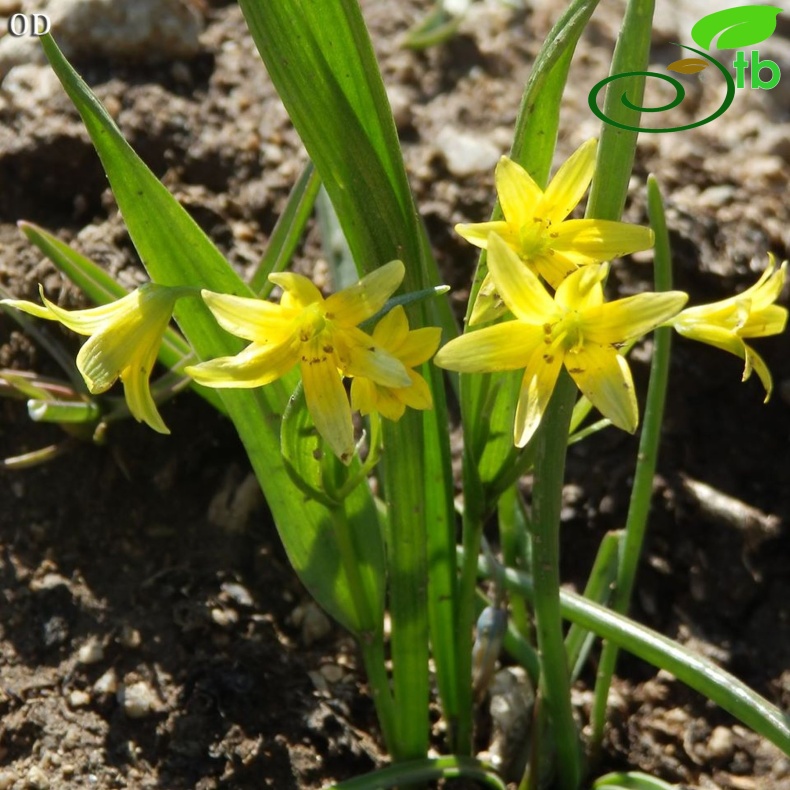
151 632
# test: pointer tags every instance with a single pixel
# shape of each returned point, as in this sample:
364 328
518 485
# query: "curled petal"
137 391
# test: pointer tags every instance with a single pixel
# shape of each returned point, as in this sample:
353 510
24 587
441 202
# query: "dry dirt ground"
151 633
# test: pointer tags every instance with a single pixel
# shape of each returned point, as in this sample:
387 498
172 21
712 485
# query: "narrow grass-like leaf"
177 252
415 772
699 673
287 231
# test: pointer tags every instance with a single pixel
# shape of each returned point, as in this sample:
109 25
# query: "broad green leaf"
177 252
742 26
320 58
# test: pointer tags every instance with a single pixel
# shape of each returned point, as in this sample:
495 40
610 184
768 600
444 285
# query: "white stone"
466 154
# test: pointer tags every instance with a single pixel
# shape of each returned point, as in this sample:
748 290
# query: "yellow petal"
768 288
353 305
582 290
419 346
137 391
771 320
519 288
363 395
506 346
478 233
359 355
298 291
755 362
389 403
517 191
252 319
553 267
328 405
418 395
604 378
595 240
255 366
537 385
31 308
392 330
634 316
569 184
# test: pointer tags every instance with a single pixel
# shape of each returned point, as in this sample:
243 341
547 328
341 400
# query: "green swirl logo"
680 94
734 28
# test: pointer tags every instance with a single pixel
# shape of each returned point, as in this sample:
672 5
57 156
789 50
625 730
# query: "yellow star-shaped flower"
125 337
536 227
320 335
411 348
752 313
575 328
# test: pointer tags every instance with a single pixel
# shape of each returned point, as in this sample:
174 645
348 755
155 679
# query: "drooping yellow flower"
412 348
125 337
320 335
752 313
575 328
536 227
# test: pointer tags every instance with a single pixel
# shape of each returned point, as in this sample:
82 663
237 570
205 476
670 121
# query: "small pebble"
238 593
91 652
37 779
130 637
313 622
721 744
138 700
466 154
79 699
224 618
332 673
7 780
106 684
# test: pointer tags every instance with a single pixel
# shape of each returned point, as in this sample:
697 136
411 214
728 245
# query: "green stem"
551 447
471 536
642 490
452 767
371 641
513 534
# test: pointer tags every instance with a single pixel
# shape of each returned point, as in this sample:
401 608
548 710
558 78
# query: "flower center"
566 331
533 238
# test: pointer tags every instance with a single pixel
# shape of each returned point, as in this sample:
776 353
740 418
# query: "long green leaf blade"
177 252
